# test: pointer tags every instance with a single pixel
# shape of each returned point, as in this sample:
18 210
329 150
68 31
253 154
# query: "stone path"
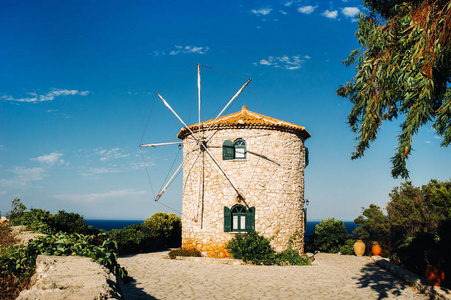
331 276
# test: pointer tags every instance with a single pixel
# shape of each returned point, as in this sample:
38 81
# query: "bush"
348 247
134 239
167 229
329 235
254 248
184 252
251 248
290 257
42 221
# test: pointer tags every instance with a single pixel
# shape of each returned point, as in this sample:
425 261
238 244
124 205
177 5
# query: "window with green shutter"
228 150
239 219
306 156
227 219
240 149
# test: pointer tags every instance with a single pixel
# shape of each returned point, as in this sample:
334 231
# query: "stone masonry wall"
271 179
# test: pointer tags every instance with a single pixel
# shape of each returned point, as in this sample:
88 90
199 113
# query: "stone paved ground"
331 276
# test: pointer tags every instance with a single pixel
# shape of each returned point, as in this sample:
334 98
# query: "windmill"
241 172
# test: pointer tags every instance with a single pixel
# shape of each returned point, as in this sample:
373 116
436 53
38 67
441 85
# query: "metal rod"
230 102
169 182
160 144
168 106
198 91
223 171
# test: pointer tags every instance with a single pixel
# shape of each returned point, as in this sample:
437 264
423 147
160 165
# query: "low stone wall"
414 280
70 277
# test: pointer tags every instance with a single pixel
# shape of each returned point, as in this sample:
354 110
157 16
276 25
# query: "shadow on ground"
381 281
131 292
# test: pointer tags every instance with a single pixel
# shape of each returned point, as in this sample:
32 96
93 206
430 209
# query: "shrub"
184 252
348 247
133 239
329 235
251 248
167 229
290 257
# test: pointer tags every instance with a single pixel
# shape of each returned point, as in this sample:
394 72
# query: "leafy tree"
167 228
329 235
402 68
17 209
374 224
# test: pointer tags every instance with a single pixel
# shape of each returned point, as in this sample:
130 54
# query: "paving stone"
331 276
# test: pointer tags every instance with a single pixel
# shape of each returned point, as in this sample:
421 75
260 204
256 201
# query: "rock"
70 277
23 235
4 220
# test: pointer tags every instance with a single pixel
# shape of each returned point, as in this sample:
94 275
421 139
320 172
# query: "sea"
119 224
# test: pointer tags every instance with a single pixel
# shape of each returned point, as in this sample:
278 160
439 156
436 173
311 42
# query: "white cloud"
50 159
125 195
34 97
114 153
23 175
307 9
189 49
284 62
283 12
330 14
96 171
350 12
288 3
262 11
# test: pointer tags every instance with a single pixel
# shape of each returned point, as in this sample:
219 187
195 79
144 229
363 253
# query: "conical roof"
245 119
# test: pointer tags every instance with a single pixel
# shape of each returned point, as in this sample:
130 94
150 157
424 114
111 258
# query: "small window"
234 150
240 149
239 219
306 156
228 150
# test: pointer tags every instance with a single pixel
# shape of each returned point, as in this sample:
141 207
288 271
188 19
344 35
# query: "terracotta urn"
359 248
377 250
434 275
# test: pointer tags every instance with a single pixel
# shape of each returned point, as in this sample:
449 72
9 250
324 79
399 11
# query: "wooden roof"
245 119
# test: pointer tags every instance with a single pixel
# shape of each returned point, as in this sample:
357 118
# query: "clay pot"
359 248
377 250
434 275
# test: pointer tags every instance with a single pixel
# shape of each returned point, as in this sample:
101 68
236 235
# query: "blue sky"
78 81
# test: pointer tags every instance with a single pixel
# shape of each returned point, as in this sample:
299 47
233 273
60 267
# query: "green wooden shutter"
306 157
227 219
250 219
228 150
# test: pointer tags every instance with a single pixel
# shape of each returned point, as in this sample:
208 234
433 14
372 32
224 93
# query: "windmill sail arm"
169 182
160 144
224 172
230 102
173 111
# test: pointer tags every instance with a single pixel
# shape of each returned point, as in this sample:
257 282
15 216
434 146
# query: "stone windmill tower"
242 172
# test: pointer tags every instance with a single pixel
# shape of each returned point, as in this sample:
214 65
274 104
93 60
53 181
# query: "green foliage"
167 228
134 239
17 209
290 257
348 247
374 224
42 221
419 222
20 260
251 248
254 248
402 68
329 235
184 252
